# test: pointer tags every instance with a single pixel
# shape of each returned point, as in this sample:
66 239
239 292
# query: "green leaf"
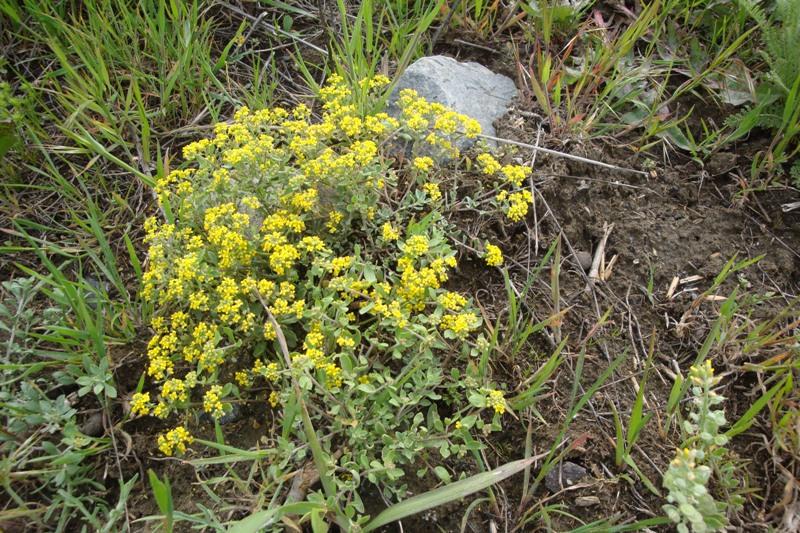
7 137
163 495
443 474
447 494
252 523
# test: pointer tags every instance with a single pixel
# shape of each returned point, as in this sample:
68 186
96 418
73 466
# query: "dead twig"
599 270
563 154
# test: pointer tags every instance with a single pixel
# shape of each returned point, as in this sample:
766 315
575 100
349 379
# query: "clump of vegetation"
288 232
691 504
777 102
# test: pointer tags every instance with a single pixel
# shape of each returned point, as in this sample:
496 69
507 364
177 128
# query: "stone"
94 425
235 414
564 475
584 259
467 88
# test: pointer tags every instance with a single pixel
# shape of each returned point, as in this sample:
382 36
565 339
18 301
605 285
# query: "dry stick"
530 179
563 154
478 46
445 24
297 489
600 253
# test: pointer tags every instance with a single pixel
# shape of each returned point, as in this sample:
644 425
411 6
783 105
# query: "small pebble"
584 259
563 476
236 413
93 427
587 501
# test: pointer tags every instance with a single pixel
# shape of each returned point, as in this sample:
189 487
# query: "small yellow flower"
175 441
389 233
518 207
140 403
452 301
489 164
494 257
515 174
274 399
416 245
212 403
243 379
433 191
269 331
334 218
495 399
423 164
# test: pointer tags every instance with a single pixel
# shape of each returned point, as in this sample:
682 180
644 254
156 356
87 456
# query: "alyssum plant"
702 455
285 231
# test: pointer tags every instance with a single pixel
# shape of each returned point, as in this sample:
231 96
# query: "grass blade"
448 493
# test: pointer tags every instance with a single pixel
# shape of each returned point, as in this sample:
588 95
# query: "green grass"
98 98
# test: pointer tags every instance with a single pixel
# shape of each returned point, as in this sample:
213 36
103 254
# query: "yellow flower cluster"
494 257
515 174
516 201
140 403
415 246
452 301
334 218
433 191
703 373
389 233
226 235
265 223
175 441
461 324
274 398
489 164
518 205
495 400
423 164
212 402
437 121
202 346
174 390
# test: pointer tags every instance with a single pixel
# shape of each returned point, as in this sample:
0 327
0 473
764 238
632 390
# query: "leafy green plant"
281 243
19 321
163 495
626 440
687 476
607 82
549 16
778 95
46 462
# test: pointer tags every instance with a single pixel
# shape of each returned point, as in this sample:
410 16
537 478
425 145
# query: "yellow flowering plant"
280 216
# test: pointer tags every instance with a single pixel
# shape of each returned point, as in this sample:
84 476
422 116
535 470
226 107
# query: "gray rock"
564 475
584 259
467 88
235 414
